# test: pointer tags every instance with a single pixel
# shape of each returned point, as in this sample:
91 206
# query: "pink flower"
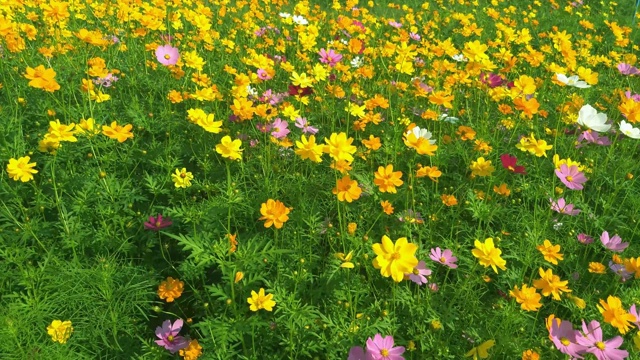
167 55
563 208
414 36
614 244
592 137
380 348
357 353
584 239
329 57
262 74
571 177
302 123
279 128
634 97
169 338
445 258
420 273
627 69
564 338
491 79
591 339
635 313
157 223
395 24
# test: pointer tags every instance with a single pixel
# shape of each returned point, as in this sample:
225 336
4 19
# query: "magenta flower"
627 69
263 74
584 239
302 123
564 338
380 348
279 128
357 353
420 273
167 55
491 79
614 244
329 57
169 338
157 223
571 177
414 36
563 208
591 339
509 163
445 258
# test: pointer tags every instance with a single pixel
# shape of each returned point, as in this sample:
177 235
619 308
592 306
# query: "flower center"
442 259
183 175
511 168
565 341
158 223
416 272
395 256
600 345
167 56
570 178
384 352
170 338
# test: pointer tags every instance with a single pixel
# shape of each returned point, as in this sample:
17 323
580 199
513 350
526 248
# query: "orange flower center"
570 178
395 256
183 175
442 259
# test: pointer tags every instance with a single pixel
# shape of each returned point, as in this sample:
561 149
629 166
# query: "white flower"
629 130
572 81
459 58
421 133
449 119
356 62
284 15
589 117
251 91
300 20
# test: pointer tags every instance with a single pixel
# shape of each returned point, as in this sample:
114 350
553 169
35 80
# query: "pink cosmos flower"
169 338
279 128
420 273
591 339
571 177
614 244
635 313
627 69
584 239
329 57
262 74
157 223
167 55
395 24
564 338
620 270
491 79
592 137
509 163
634 97
445 258
380 348
302 123
357 353
563 208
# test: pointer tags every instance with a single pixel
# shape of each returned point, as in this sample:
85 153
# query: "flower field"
355 180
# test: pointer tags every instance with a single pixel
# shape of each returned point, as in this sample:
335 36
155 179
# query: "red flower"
296 90
509 163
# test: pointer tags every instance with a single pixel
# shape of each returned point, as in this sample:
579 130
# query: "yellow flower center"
158 223
416 271
511 168
167 56
384 352
569 178
170 337
600 345
442 259
395 256
565 341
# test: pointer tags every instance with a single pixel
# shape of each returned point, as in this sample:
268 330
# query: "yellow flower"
386 207
449 200
597 268
308 149
208 124
87 126
61 132
21 169
170 289
182 178
616 315
431 171
346 260
481 167
395 260
42 78
550 284
60 331
275 213
481 351
118 132
373 143
530 355
387 180
301 80
230 148
347 189
261 301
339 147
550 252
192 351
488 255
528 298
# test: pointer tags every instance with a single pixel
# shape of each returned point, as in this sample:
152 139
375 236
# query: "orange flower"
42 78
118 132
503 190
449 200
466 133
386 207
616 315
387 180
431 171
275 213
347 189
170 289
233 243
528 107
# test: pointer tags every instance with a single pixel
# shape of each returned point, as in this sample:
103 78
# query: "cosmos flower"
445 257
169 338
614 243
167 55
572 81
592 119
571 177
420 273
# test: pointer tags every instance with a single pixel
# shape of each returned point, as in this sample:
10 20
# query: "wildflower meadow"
280 179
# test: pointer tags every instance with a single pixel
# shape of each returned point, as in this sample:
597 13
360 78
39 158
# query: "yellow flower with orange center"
118 132
386 179
347 189
616 315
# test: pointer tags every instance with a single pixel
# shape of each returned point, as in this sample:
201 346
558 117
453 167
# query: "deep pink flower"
627 69
420 273
279 128
564 338
157 223
329 57
614 244
584 239
167 55
591 339
571 177
509 163
445 258
169 338
563 208
380 348
491 79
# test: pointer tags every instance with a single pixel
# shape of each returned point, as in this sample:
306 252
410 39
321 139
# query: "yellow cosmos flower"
230 148
261 301
347 189
182 178
616 315
21 169
118 132
528 298
550 252
488 255
308 149
481 351
275 213
550 284
481 167
339 147
395 260
386 179
60 331
170 289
